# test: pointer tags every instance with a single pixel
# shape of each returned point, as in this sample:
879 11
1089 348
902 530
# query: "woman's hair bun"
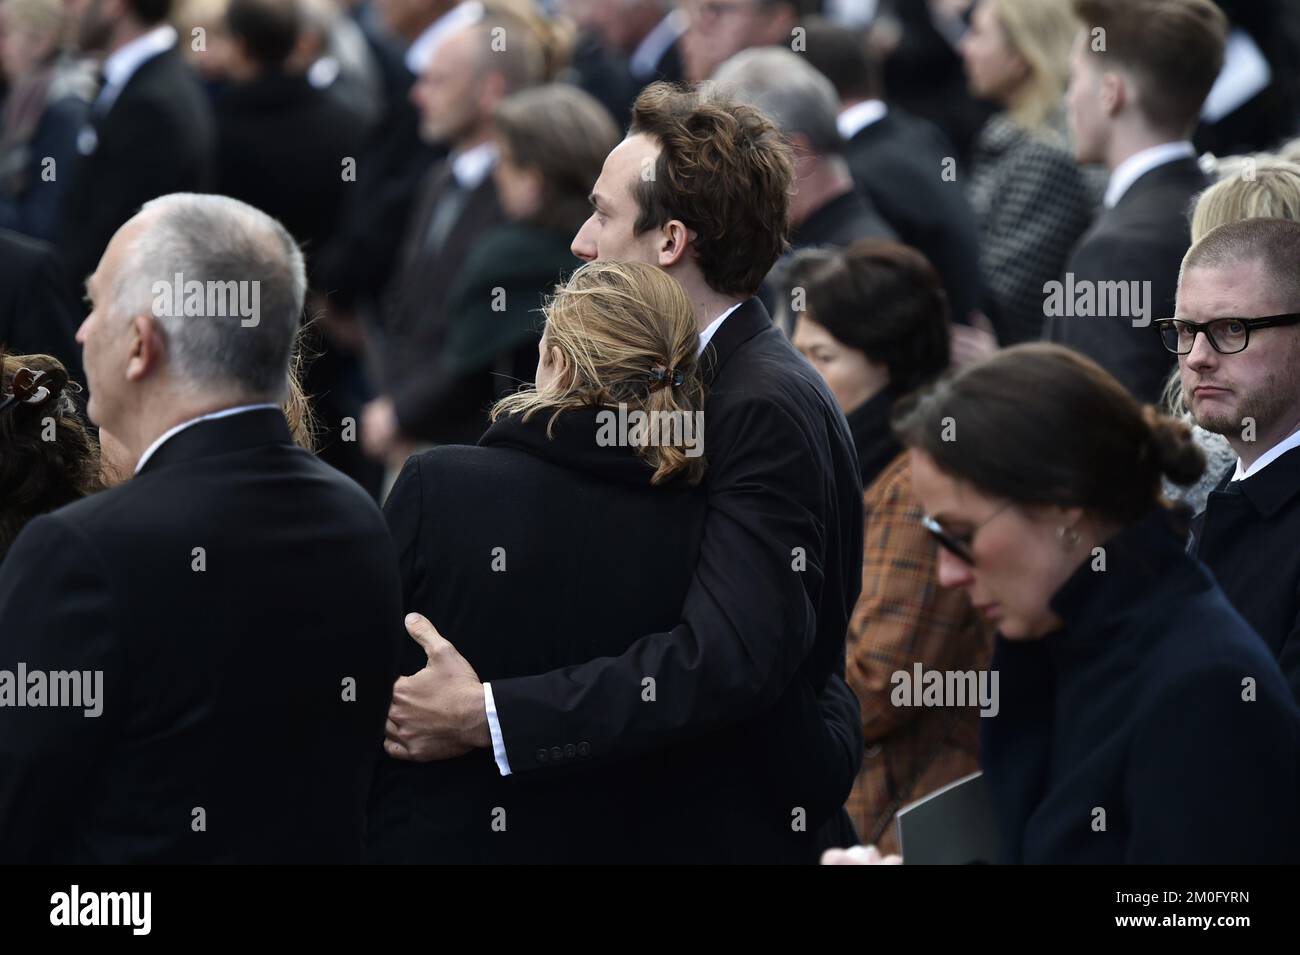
1177 454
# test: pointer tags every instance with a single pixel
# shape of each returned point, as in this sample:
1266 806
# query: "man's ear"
1115 91
145 347
674 238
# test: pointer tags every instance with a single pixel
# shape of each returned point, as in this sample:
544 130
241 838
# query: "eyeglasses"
1227 335
35 389
959 545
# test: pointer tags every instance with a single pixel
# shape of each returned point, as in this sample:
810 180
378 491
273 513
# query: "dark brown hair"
1040 424
882 298
725 172
1173 47
36 475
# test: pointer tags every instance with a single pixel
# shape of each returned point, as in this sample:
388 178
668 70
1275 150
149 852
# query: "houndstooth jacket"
1032 203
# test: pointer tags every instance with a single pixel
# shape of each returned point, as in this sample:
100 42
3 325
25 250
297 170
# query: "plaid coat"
902 617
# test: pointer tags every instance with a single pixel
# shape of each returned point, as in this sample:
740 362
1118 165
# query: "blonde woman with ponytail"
553 542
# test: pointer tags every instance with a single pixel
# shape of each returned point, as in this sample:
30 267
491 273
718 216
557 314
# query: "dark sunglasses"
1227 335
959 545
35 389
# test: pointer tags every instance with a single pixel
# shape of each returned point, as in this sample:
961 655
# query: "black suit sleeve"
747 625
56 614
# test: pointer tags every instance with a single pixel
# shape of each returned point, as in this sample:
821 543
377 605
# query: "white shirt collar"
713 326
162 438
1267 458
420 53
472 166
1139 164
125 60
859 116
652 48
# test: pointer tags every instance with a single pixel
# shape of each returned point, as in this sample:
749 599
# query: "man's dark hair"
150 12
1173 47
723 170
840 55
881 298
268 29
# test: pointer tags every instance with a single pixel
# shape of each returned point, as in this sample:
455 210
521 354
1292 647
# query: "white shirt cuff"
494 727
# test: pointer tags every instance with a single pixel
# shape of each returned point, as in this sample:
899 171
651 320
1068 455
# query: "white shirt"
420 53
162 438
713 326
125 60
652 48
859 116
472 166
494 725
1267 458
1139 164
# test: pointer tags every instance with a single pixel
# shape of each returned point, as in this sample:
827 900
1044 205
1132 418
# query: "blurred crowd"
967 181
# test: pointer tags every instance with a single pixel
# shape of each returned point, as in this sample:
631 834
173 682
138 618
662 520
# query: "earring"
1068 535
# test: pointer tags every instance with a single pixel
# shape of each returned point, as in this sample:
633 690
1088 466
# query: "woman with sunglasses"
875 325
48 456
1140 718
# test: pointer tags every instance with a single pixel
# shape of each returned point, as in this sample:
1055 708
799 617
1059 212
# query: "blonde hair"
1041 31
618 324
1258 187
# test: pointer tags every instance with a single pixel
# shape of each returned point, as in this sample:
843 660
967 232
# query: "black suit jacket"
1143 238
1248 536
763 624
244 685
38 313
281 144
415 321
841 221
1137 707
156 138
358 263
897 161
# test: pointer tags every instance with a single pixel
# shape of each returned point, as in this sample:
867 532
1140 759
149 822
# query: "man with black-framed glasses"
1237 338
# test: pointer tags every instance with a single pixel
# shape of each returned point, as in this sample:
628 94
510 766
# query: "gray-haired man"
232 588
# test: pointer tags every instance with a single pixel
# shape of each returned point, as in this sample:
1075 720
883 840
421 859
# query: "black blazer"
1137 707
1247 535
415 323
841 221
38 312
252 686
281 144
1143 238
359 261
763 625
897 161
156 138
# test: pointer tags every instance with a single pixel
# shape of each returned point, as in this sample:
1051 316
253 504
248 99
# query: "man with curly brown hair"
701 189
